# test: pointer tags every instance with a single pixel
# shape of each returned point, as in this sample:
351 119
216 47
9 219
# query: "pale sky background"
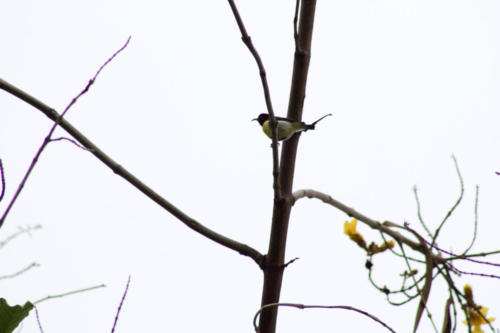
409 84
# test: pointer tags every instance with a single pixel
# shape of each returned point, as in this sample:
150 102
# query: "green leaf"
11 316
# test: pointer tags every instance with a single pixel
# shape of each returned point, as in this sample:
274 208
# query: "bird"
286 127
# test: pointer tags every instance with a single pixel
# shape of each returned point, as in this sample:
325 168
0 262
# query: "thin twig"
22 230
474 235
430 263
493 276
353 213
47 139
62 138
467 257
453 290
92 80
419 212
403 290
399 254
2 180
267 96
452 209
25 269
454 307
415 282
424 292
302 306
38 320
290 262
121 304
68 293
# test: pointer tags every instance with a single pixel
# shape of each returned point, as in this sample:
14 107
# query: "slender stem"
68 293
2 180
267 96
303 306
457 202
47 139
121 304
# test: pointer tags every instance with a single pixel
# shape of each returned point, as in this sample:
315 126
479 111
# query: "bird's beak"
254 119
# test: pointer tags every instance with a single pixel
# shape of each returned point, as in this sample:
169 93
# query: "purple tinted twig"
121 303
2 180
456 256
47 139
38 320
92 80
493 276
468 259
62 138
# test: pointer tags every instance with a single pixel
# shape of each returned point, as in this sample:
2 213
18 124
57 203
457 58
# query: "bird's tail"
313 125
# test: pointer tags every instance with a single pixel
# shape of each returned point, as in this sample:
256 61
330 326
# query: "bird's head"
262 118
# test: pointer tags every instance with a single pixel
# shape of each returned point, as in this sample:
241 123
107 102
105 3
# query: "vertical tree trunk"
274 266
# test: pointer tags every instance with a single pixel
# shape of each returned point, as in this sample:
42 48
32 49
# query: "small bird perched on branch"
286 127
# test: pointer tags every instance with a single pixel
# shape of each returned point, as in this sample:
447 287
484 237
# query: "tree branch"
47 139
2 180
46 298
134 181
302 306
267 96
351 212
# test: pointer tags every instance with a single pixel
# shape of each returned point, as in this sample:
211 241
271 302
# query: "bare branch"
24 270
22 230
68 293
134 181
121 304
58 119
452 209
419 212
38 320
62 138
353 213
302 306
267 95
474 235
92 80
468 257
290 262
2 180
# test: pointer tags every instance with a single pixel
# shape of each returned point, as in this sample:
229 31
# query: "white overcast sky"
409 84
